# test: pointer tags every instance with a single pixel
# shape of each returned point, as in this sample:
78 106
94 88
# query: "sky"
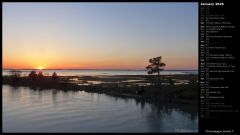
99 35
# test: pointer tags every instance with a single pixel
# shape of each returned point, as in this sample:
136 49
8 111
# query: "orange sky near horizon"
34 63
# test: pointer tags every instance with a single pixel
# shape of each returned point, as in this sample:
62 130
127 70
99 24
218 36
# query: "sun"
40 67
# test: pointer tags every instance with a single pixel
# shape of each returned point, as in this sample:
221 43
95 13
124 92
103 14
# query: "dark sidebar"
218 67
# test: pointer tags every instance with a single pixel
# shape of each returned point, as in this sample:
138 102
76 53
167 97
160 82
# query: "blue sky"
100 35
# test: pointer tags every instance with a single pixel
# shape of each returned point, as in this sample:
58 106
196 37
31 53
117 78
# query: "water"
102 72
28 110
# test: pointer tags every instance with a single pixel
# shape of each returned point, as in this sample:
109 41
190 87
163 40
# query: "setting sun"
40 68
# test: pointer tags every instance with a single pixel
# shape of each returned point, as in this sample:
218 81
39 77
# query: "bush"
40 74
54 76
33 74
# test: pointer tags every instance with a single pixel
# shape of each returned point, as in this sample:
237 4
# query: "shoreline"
183 90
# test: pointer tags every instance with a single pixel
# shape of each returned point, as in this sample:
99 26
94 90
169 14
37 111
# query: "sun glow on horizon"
40 68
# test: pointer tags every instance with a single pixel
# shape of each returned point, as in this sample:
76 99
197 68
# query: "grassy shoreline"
174 89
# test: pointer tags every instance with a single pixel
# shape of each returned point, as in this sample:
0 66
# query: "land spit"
173 88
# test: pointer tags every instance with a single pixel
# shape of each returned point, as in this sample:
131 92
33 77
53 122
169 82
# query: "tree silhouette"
54 76
33 74
155 67
40 74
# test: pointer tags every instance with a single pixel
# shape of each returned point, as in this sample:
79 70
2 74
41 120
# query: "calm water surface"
28 110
